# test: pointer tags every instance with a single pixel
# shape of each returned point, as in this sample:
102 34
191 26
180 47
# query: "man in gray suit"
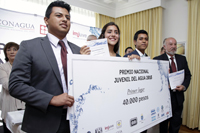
39 76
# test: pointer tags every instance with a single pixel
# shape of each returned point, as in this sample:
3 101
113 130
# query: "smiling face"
112 35
11 52
142 42
59 22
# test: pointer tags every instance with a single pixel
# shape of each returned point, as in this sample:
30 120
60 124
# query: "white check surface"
116 95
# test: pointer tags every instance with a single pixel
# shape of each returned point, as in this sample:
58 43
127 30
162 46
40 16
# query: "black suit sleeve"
20 85
155 58
182 65
188 75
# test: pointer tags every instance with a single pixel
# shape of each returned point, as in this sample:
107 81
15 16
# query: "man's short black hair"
139 32
57 4
128 48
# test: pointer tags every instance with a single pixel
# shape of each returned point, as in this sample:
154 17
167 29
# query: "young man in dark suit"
141 43
177 63
39 75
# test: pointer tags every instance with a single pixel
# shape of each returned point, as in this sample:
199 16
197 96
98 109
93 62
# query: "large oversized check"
115 95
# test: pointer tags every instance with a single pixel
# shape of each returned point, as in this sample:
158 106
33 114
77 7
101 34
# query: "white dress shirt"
140 53
170 61
176 67
57 52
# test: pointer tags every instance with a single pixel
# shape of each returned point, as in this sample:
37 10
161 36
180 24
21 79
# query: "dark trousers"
64 124
144 131
175 121
5 129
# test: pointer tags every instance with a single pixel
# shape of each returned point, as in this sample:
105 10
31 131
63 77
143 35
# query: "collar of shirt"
170 57
54 41
173 59
140 53
57 53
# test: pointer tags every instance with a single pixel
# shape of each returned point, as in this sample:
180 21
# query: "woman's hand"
85 50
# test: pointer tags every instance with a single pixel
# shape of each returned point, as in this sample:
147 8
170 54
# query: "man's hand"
133 56
85 50
62 99
180 88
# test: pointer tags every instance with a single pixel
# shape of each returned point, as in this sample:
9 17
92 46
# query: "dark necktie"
173 65
64 58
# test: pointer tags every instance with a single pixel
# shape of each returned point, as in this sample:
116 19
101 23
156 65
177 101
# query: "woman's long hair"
102 35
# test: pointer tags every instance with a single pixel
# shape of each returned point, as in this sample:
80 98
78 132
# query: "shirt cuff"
184 88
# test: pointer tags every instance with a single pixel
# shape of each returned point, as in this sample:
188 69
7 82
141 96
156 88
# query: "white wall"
93 5
23 6
133 6
85 17
175 13
175 19
115 10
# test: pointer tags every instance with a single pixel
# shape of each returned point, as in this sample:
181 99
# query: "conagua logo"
16 25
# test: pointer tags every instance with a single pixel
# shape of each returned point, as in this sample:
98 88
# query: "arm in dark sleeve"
20 80
188 75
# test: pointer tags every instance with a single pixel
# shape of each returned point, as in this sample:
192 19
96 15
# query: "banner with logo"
78 33
116 95
16 27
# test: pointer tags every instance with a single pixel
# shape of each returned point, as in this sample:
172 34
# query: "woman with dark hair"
7 102
112 33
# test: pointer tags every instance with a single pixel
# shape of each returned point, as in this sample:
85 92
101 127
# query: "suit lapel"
71 47
178 62
135 52
139 54
75 49
166 58
51 57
